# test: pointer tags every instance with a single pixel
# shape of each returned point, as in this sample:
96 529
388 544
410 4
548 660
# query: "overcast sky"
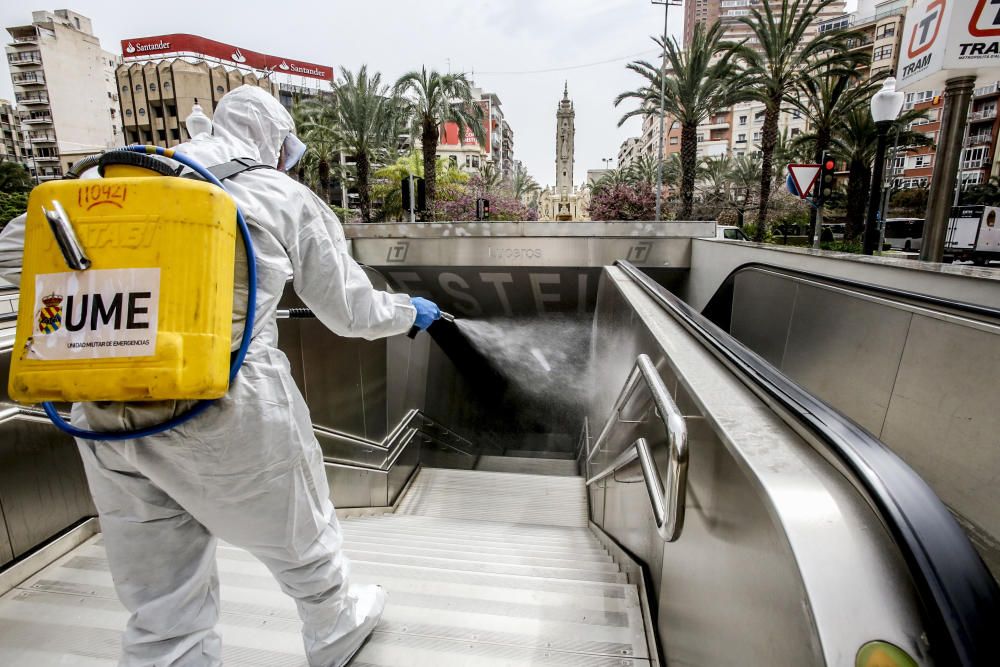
488 40
502 44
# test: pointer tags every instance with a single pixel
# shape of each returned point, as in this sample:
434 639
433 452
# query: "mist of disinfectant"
541 357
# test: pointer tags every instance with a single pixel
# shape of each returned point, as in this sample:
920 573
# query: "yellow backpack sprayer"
127 289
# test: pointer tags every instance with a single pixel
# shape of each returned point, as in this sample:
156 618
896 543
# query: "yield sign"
804 176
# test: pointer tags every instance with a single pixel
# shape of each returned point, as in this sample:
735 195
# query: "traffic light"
827 179
482 209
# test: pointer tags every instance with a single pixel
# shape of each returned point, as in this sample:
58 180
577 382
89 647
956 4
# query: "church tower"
565 134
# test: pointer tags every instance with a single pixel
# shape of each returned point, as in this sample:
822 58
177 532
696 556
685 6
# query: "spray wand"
305 313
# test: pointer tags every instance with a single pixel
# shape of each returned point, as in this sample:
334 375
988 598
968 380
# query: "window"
898 163
796 131
220 90
796 113
166 84
743 119
475 162
885 30
125 88
921 161
142 112
468 160
756 136
152 87
138 87
701 138
882 53
128 112
673 141
741 138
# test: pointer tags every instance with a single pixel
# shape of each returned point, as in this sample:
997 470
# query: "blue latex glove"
427 311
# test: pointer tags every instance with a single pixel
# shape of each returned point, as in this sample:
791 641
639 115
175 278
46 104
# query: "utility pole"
663 94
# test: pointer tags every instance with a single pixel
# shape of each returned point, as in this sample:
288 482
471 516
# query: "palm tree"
522 184
855 144
699 84
435 99
643 170
717 178
366 123
784 55
825 100
491 177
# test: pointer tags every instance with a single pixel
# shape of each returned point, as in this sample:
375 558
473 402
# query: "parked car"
731 233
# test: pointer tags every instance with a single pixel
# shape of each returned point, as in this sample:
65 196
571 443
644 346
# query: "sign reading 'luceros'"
948 38
180 43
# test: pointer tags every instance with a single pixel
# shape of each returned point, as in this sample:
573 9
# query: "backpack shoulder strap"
235 167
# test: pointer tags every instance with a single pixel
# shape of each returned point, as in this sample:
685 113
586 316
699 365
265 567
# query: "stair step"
470 529
543 454
530 465
423 546
497 496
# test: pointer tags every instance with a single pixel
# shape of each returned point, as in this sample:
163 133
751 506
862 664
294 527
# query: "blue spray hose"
241 353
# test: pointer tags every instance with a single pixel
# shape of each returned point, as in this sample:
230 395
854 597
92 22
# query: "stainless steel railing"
413 424
667 503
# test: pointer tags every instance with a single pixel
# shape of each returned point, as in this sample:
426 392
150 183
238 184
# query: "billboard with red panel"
181 43
449 133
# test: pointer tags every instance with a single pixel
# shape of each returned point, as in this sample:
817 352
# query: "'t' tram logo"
50 316
397 253
985 20
926 29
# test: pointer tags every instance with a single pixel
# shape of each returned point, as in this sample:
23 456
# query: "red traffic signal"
829 165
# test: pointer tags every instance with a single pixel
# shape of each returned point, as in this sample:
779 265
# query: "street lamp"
886 105
607 161
663 94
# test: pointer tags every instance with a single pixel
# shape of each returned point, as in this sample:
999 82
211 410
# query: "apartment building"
467 153
628 152
63 88
13 146
156 96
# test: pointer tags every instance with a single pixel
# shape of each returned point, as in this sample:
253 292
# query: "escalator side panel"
923 381
779 554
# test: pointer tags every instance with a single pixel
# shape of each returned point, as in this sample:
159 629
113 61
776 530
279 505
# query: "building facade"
156 96
13 145
63 88
564 201
628 152
466 152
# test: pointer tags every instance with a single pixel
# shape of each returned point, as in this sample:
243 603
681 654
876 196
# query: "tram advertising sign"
947 38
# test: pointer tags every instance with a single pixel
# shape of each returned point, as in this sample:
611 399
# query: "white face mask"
293 149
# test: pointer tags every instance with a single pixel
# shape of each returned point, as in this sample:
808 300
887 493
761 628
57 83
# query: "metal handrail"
668 505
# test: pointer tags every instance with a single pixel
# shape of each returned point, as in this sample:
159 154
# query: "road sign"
804 177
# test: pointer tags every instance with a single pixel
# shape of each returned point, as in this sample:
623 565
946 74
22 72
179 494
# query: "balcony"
991 89
42 137
36 119
28 79
46 158
975 164
25 58
31 98
979 139
50 175
985 114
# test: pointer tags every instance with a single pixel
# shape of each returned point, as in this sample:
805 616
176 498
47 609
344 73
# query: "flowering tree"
458 202
623 201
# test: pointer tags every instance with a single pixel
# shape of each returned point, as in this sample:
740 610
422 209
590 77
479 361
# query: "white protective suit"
249 470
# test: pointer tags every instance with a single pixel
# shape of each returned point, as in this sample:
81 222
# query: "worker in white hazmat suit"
248 470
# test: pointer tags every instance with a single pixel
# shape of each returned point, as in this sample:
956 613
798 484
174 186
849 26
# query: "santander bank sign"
180 44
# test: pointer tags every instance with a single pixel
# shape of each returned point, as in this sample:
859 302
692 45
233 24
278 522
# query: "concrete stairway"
482 568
